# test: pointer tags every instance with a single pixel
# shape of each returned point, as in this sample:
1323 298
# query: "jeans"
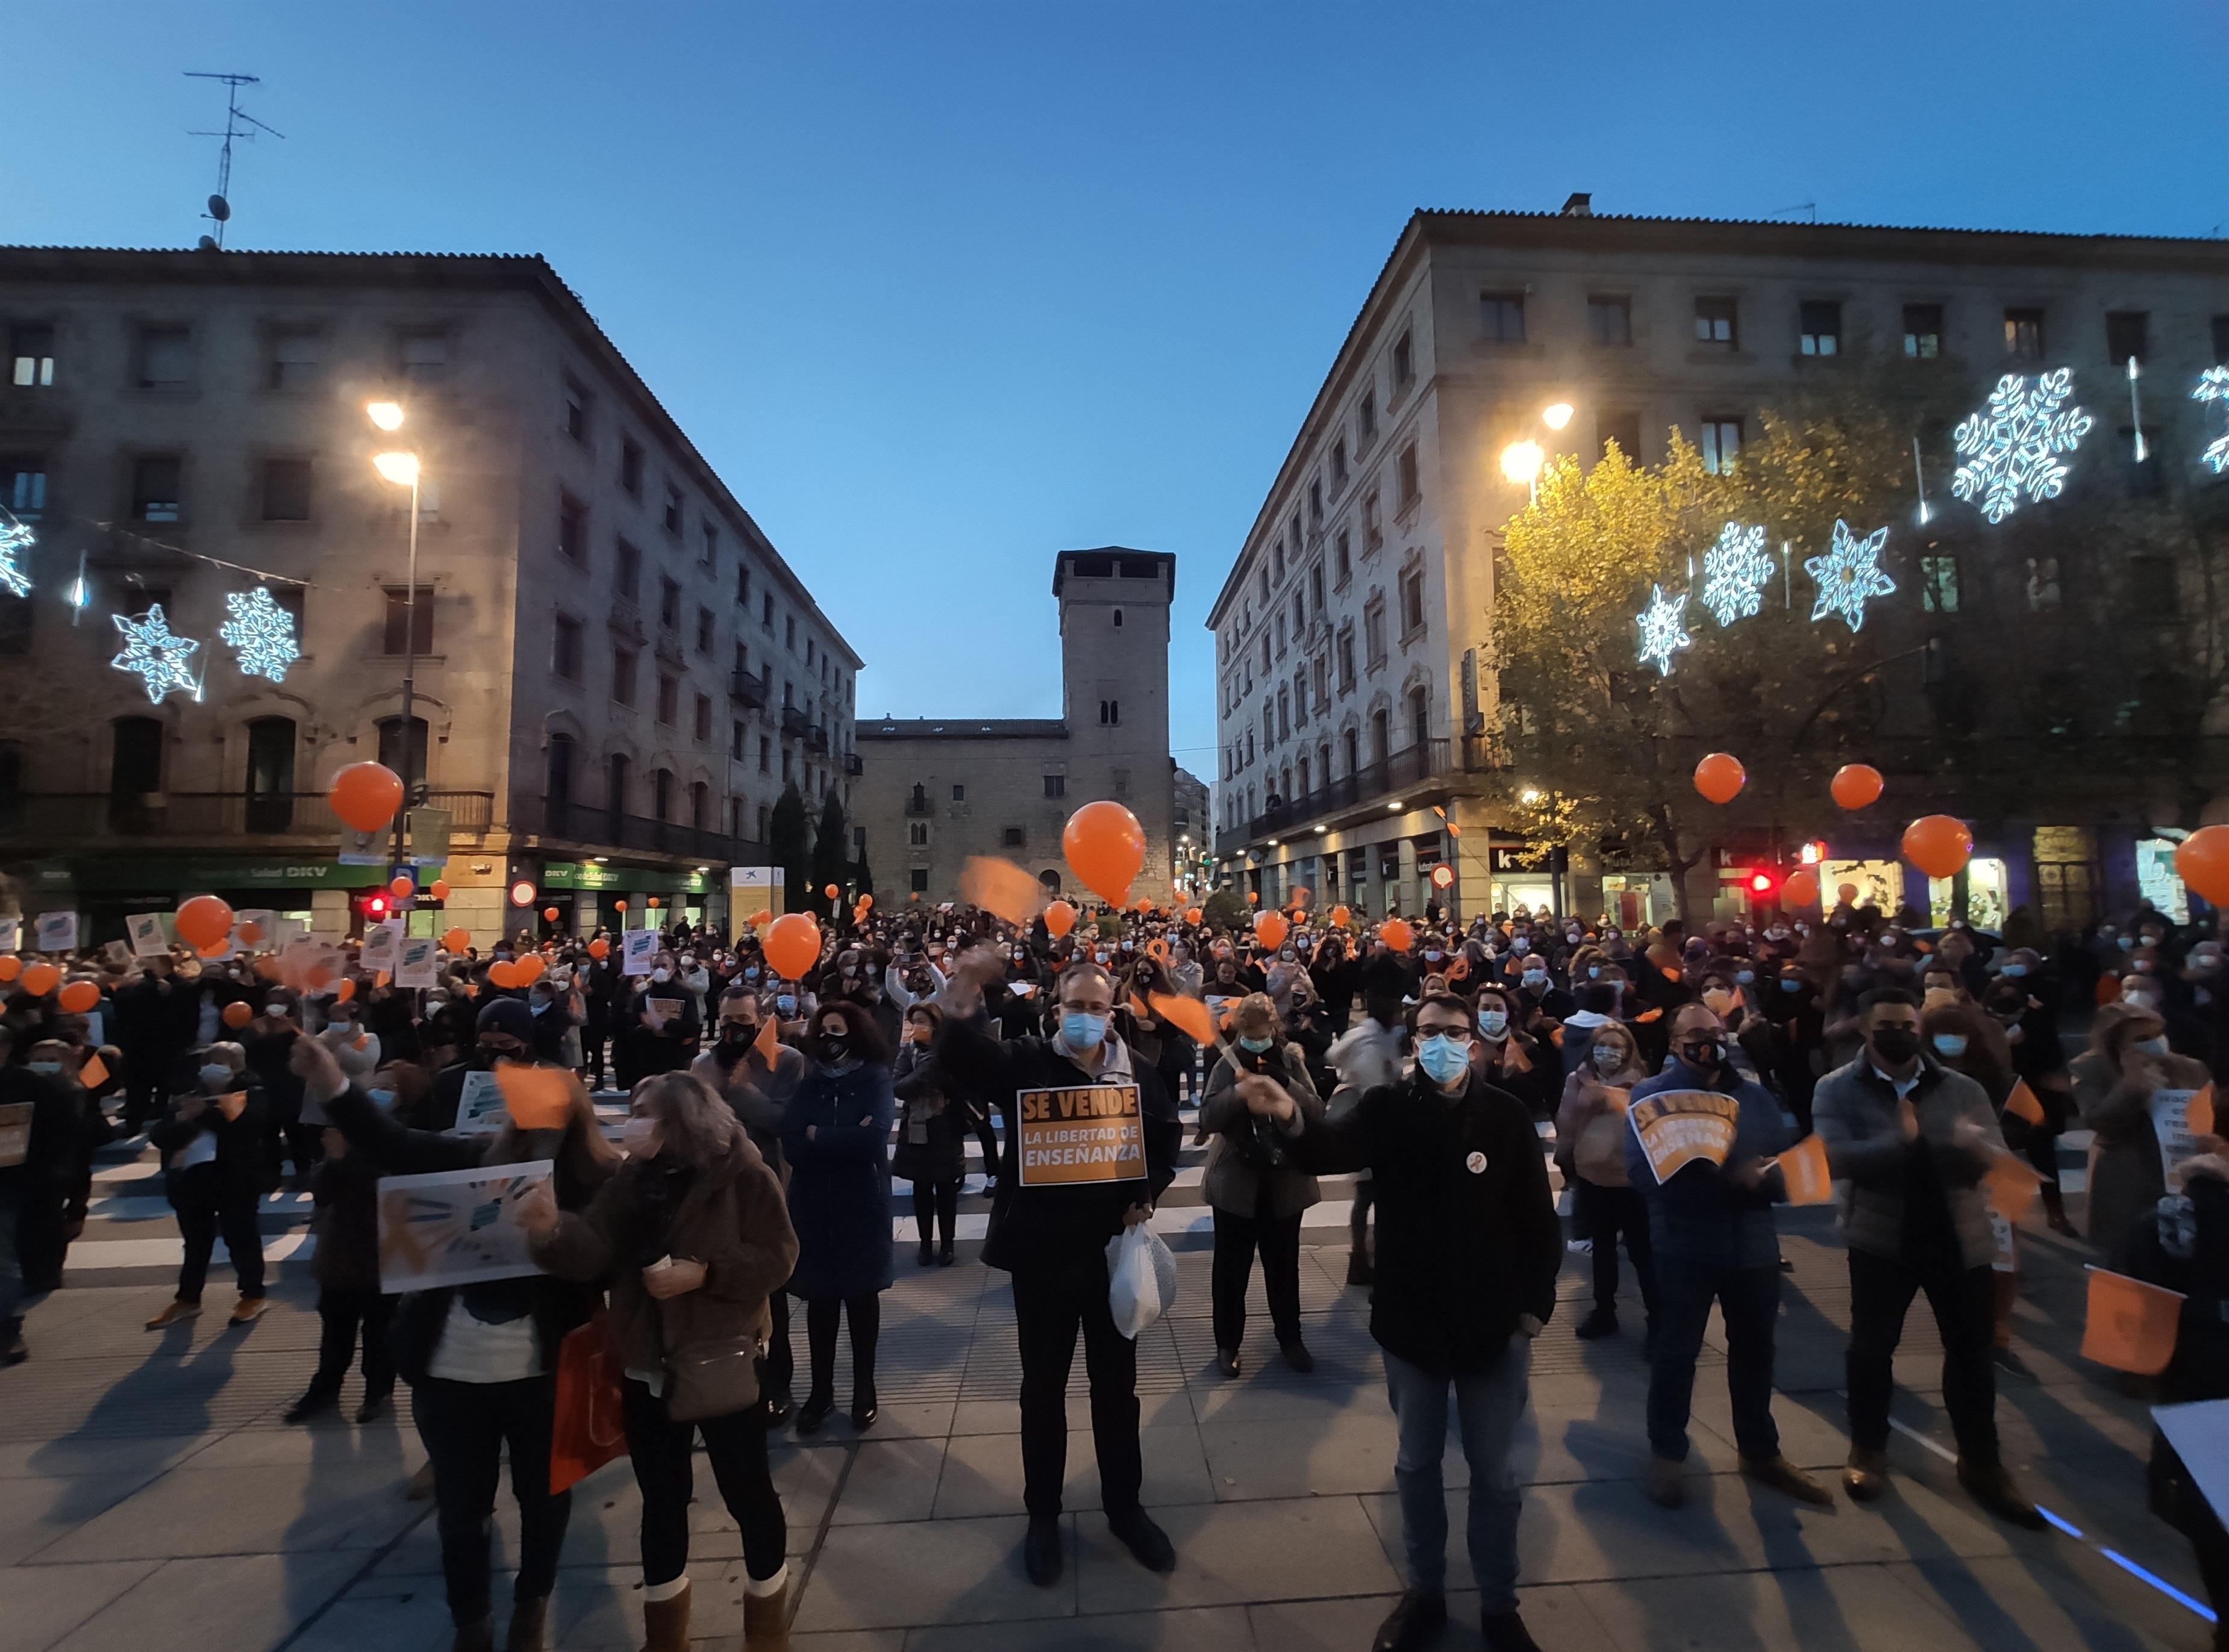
12 1265
735 1446
821 1316
1050 1309
1488 1404
466 1426
1236 1238
936 1202
1749 1299
1964 1301
200 1224
340 1314
1605 1215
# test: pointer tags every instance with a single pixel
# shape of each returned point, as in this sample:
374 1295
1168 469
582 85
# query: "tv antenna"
220 204
1809 208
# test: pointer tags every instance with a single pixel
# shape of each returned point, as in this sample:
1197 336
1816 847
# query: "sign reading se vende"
1082 1133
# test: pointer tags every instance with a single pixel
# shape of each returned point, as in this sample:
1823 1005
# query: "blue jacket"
1699 1216
840 1180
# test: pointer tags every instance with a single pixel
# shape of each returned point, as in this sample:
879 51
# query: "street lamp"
402 469
1557 415
387 415
1521 462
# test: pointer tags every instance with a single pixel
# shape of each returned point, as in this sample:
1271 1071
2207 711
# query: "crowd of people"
767 1118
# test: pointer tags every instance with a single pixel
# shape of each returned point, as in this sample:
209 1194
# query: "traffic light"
1763 884
375 907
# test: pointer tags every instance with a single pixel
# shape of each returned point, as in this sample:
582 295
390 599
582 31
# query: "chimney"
1578 206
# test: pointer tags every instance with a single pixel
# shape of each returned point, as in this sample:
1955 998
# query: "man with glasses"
1467 1248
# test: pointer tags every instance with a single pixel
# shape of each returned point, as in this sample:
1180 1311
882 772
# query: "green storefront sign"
589 878
275 872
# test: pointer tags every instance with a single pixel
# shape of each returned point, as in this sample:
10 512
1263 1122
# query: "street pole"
409 669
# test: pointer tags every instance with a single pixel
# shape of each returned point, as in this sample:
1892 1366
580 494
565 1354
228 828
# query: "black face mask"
738 1031
1895 1045
1703 1054
489 1055
835 1047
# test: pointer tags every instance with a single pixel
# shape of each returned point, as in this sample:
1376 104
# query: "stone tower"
1115 673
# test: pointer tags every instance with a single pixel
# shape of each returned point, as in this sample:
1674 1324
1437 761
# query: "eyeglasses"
1456 1031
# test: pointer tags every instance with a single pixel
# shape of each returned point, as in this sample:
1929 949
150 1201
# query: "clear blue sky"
942 288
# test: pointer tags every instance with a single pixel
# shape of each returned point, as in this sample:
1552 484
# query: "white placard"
480 1106
2200 1434
639 952
57 932
2171 1124
382 945
11 934
455 1227
266 920
414 961
148 939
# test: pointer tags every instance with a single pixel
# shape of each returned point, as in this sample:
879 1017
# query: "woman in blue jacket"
835 1135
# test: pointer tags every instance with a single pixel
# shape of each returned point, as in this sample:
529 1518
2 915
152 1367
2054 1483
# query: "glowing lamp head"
1521 462
387 415
1557 415
401 469
1530 796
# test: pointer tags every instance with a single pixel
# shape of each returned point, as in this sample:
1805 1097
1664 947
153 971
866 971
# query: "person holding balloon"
214 1156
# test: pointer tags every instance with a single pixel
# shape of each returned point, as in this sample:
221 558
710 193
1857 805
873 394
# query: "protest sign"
2179 1119
480 1106
11 934
1679 1128
1803 1172
639 952
382 944
455 1227
534 1098
2200 1434
2131 1325
1080 1133
414 960
149 938
57 932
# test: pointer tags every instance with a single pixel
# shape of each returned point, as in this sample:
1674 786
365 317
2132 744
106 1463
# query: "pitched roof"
960 728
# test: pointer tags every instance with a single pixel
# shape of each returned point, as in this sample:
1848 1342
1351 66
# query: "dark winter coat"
839 1180
346 1226
237 1174
932 1121
1249 1172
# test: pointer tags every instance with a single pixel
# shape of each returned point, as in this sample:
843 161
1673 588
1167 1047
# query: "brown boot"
665 1623
1783 1476
766 1620
528 1620
1866 1476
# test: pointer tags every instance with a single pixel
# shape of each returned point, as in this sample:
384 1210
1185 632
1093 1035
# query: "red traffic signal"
1763 884
375 906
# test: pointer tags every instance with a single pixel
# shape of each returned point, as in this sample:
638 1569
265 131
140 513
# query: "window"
917 881
959 793
1405 361
2042 582
426 357
135 764
709 543
1501 315
1118 619
166 358
704 717
1609 322
1110 712
1346 659
285 491
1319 681
1056 786
631 466
669 698
1373 534
2152 586
1938 584
615 792
1922 331
627 576
766 609
1012 837
743 584
917 834
672 508
558 781
566 653
789 632
623 674
1373 631
1717 324
1366 419
409 619
786 761
31 355
661 794
1315 507
270 774
808 658
704 631
765 755
576 411
1622 428
24 487
155 489
1338 463
1280 629
1819 328
1721 440
572 530
410 763
1411 487
2220 331
2125 336
2024 335
669 602
293 364
1412 602
1284 715
1315 579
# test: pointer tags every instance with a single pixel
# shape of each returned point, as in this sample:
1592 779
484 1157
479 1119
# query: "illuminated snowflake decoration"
2012 445
1735 573
261 633
15 539
2213 386
161 658
1849 574
1661 633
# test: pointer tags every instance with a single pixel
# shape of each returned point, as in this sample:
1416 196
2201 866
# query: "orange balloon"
830 891
1270 929
1253 898
600 948
438 888
237 1014
366 795
793 944
456 939
2201 860
549 914
528 970
1938 844
400 887
1301 897
1106 847
1856 784
1801 889
1059 918
249 934
1397 934
652 903
345 991
204 921
11 967
501 973
761 916
620 905
78 997
1720 777
41 979
1340 917
866 903
1143 904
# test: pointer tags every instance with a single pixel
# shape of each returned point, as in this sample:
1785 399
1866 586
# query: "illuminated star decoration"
1735 572
2213 386
1848 574
261 633
1661 633
15 539
2012 445
156 654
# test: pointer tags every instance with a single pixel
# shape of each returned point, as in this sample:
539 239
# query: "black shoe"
374 1407
814 1412
928 1255
1600 1324
1360 1272
317 1399
946 1257
1226 1361
1041 1550
1410 1625
864 1412
1786 1266
1506 1632
775 1408
2010 1363
12 1351
1147 1541
1297 1356
1993 1489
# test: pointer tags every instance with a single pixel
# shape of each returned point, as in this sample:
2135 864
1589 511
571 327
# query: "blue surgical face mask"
1493 1022
1082 1031
1950 1045
1745 976
1536 978
382 1099
1442 1058
1789 984
787 1003
1256 1046
2016 970
751 973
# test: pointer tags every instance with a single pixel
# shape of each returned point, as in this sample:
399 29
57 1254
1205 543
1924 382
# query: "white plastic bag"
1141 1279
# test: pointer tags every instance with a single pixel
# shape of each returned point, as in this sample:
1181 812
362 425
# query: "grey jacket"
1854 1111
1236 1181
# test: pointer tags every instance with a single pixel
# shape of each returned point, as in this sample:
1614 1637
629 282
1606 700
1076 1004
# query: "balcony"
64 820
794 725
572 825
817 740
852 766
1374 783
746 689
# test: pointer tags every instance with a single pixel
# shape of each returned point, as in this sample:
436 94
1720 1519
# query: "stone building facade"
616 672
932 791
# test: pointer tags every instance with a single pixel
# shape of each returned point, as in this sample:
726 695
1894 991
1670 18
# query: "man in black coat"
1468 1249
1055 1210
